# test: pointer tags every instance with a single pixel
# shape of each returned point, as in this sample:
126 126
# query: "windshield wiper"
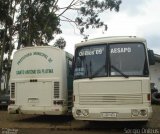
90 66
119 71
86 73
97 72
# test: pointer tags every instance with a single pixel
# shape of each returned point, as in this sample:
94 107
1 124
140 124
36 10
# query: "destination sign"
45 56
34 71
95 51
121 50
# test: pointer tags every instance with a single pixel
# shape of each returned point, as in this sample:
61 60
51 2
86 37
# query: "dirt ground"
28 124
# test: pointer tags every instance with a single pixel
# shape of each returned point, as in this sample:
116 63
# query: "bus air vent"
12 90
56 89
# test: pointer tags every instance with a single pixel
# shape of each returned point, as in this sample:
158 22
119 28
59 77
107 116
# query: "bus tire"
154 90
156 98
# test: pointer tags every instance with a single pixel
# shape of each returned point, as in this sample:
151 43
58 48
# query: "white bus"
111 80
41 81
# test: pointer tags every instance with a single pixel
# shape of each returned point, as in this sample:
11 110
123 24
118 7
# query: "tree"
60 43
6 22
88 12
39 20
36 22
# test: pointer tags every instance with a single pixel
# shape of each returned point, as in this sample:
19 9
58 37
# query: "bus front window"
129 58
90 61
122 60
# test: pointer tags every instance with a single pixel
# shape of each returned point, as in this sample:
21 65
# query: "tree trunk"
21 21
11 46
29 25
9 57
2 53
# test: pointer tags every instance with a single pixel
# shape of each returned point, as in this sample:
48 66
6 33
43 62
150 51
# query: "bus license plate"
109 115
33 100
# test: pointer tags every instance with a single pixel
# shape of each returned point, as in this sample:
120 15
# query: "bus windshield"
106 60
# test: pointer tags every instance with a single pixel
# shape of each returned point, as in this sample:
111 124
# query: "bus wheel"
156 98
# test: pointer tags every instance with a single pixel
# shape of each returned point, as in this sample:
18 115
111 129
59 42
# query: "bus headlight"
82 112
78 112
139 112
143 112
85 112
135 112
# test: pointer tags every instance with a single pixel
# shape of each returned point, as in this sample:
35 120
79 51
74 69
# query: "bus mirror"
151 57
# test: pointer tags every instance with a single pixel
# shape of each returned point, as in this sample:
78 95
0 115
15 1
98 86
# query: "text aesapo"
120 50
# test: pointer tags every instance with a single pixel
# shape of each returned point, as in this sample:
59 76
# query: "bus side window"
69 74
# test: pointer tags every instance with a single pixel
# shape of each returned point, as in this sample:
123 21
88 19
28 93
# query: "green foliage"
4 16
35 22
7 41
6 33
4 5
60 43
39 23
90 10
6 66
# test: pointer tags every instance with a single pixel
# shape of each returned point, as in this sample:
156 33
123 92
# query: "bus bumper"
14 109
113 114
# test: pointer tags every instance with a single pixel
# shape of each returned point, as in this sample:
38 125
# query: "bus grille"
56 89
112 99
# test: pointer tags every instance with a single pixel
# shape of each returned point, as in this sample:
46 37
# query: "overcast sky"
135 18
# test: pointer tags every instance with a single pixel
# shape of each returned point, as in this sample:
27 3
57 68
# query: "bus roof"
35 47
50 47
111 39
